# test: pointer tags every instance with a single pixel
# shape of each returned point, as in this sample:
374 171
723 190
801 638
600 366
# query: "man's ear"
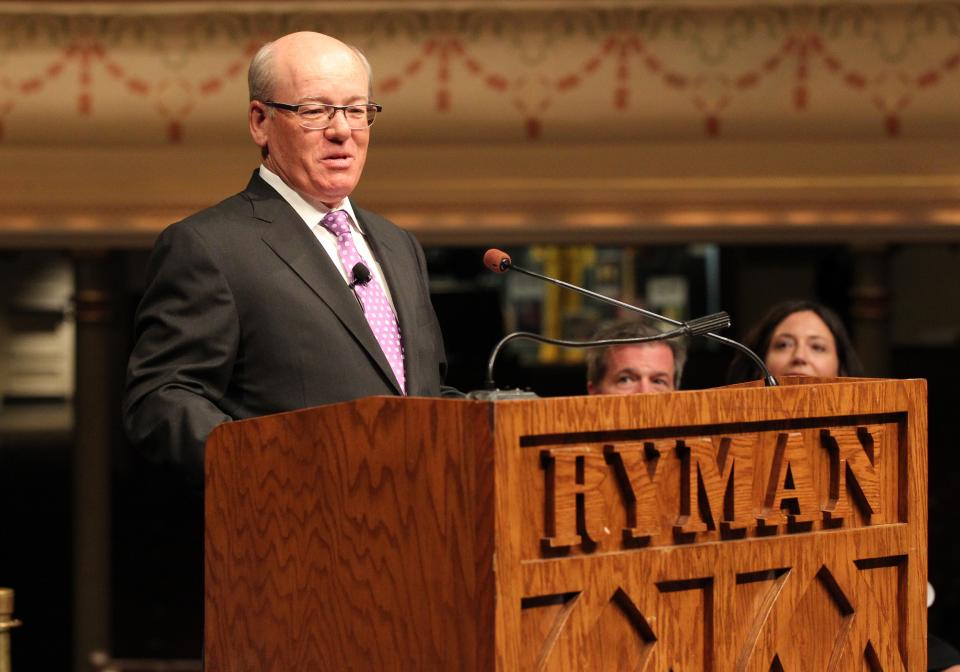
259 121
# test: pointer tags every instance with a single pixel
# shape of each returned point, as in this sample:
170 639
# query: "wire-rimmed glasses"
318 116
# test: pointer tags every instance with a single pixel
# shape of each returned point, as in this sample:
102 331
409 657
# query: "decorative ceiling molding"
436 225
681 118
163 7
826 72
123 197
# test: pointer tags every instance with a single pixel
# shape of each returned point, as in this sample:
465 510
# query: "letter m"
716 483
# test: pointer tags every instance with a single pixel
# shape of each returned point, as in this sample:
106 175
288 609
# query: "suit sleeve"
186 338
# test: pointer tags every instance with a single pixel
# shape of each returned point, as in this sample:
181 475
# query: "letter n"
855 461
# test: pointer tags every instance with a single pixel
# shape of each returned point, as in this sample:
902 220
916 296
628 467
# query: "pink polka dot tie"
376 307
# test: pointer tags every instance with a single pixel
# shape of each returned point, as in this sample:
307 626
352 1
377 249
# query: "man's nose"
644 385
338 129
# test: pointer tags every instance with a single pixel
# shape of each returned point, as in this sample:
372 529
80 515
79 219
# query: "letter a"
790 487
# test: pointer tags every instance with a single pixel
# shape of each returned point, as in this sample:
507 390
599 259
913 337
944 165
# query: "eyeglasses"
317 116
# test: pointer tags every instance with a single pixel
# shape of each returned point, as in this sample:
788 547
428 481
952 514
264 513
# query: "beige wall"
504 121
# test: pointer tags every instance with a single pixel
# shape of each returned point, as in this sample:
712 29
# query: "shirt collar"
308 213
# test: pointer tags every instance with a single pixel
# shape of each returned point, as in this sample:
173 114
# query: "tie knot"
336 222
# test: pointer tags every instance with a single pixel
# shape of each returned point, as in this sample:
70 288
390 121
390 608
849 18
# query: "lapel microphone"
361 275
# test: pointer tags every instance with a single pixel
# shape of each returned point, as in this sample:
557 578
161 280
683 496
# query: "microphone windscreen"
361 274
708 323
496 260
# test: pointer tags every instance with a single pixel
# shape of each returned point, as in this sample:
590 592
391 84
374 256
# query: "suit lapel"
294 242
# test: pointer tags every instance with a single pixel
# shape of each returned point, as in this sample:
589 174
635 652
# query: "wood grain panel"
835 584
349 537
578 533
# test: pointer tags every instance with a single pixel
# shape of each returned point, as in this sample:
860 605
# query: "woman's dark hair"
758 339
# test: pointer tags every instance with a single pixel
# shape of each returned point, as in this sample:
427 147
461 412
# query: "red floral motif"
631 51
85 54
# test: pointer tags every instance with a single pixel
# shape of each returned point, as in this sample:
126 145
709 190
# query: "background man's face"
637 368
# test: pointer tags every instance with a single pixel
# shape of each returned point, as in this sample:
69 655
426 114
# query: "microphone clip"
361 275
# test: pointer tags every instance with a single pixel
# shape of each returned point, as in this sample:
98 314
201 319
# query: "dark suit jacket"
244 314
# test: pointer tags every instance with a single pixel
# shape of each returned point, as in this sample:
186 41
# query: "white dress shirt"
312 216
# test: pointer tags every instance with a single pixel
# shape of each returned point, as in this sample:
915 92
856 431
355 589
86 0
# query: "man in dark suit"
259 304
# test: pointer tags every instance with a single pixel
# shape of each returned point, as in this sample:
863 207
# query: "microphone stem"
768 379
673 333
600 297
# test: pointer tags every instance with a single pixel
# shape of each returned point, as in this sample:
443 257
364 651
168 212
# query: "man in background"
634 368
286 295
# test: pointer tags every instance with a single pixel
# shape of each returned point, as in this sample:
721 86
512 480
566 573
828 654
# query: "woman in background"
798 338
805 338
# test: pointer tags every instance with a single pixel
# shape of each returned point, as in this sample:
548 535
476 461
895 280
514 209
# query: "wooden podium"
739 528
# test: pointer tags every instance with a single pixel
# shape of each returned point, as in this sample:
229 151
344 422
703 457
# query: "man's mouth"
337 160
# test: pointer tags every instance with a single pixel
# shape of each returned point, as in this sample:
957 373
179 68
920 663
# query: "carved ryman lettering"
575 504
717 475
854 460
702 485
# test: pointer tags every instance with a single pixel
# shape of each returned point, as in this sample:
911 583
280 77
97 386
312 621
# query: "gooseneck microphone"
499 261
695 327
361 274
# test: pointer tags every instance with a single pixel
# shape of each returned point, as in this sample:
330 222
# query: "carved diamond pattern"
671 624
